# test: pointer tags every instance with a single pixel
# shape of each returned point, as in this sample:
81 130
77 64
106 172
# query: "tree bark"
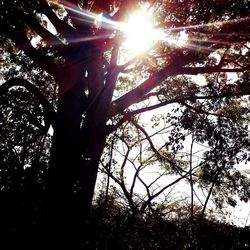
65 162
74 164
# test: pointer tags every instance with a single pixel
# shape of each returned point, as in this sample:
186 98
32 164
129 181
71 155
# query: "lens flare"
139 32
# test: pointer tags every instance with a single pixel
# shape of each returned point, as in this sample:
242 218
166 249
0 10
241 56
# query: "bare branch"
201 111
179 99
207 69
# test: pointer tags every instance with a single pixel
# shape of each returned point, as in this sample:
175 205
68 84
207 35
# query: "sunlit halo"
179 41
140 33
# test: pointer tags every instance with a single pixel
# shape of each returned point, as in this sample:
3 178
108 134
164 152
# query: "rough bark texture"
77 149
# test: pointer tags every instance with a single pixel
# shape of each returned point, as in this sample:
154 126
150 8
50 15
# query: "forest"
125 124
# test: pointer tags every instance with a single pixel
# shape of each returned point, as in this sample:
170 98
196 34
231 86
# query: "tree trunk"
65 160
73 170
77 143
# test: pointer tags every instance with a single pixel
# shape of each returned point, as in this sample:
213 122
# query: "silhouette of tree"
61 68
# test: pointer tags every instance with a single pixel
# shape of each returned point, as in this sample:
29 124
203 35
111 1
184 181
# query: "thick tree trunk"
71 178
65 160
77 144
73 171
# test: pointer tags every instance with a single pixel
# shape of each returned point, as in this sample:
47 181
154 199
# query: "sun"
139 32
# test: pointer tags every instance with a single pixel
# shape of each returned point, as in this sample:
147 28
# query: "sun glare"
139 32
179 41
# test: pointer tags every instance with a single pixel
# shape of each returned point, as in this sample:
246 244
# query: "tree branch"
61 26
23 43
138 94
35 25
208 69
48 109
201 111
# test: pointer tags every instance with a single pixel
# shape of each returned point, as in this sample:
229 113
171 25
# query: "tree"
73 47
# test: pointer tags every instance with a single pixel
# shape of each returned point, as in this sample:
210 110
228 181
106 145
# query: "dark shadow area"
112 226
